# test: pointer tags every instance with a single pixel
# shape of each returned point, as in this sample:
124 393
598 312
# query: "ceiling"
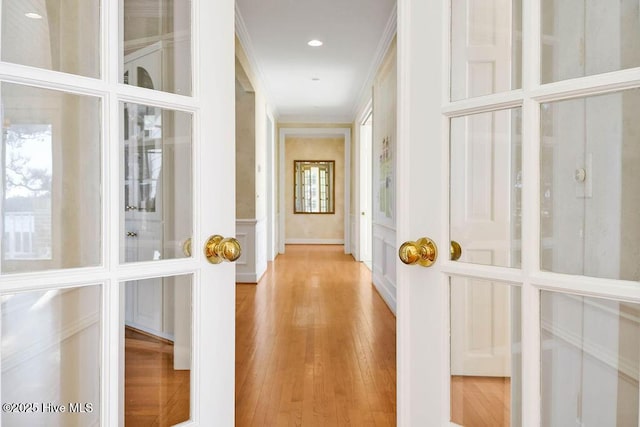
355 33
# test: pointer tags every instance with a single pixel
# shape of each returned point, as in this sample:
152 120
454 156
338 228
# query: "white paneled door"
518 140
116 117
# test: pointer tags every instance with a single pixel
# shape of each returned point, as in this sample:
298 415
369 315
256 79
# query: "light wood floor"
315 344
155 394
480 401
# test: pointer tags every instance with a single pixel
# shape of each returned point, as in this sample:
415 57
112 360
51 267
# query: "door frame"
330 132
420 358
360 186
272 237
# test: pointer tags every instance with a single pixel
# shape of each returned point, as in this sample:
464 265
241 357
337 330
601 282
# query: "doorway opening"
315 144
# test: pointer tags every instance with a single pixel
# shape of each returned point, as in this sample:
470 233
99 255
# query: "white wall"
255 225
309 130
315 228
361 111
384 169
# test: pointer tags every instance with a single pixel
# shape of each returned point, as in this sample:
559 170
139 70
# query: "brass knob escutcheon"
423 252
456 250
218 249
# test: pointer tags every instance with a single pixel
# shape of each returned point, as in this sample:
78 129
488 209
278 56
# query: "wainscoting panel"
252 235
384 263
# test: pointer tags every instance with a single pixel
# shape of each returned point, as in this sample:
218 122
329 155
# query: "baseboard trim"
382 285
159 338
148 331
314 241
247 278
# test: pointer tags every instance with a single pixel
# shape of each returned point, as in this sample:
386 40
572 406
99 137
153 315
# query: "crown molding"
383 46
319 119
247 45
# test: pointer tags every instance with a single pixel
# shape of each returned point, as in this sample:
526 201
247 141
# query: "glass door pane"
157 179
157 45
586 37
590 360
589 186
486 359
59 35
486 187
486 47
50 218
51 362
158 352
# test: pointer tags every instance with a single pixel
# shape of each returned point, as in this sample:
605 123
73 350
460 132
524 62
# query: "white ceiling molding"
383 46
321 119
242 78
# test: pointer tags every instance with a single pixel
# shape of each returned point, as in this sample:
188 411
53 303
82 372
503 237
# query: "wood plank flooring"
155 394
315 344
480 401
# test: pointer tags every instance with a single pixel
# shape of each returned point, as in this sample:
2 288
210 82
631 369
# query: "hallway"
315 344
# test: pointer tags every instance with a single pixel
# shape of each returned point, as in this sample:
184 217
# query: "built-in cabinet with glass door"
142 191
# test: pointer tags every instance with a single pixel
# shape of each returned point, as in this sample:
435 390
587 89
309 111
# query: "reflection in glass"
28 176
59 35
589 186
590 360
582 38
486 359
314 186
157 45
50 218
486 47
51 356
157 202
157 348
486 186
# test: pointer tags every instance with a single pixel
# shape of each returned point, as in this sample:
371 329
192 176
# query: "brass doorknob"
186 247
423 252
456 250
218 249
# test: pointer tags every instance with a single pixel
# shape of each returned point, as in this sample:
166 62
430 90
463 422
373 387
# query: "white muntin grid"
212 63
416 39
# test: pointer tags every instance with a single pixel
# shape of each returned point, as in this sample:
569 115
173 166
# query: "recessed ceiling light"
314 43
33 15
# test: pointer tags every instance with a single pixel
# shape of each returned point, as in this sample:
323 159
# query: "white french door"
517 140
117 125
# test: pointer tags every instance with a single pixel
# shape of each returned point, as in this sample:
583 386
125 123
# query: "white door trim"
362 115
422 372
316 133
271 187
